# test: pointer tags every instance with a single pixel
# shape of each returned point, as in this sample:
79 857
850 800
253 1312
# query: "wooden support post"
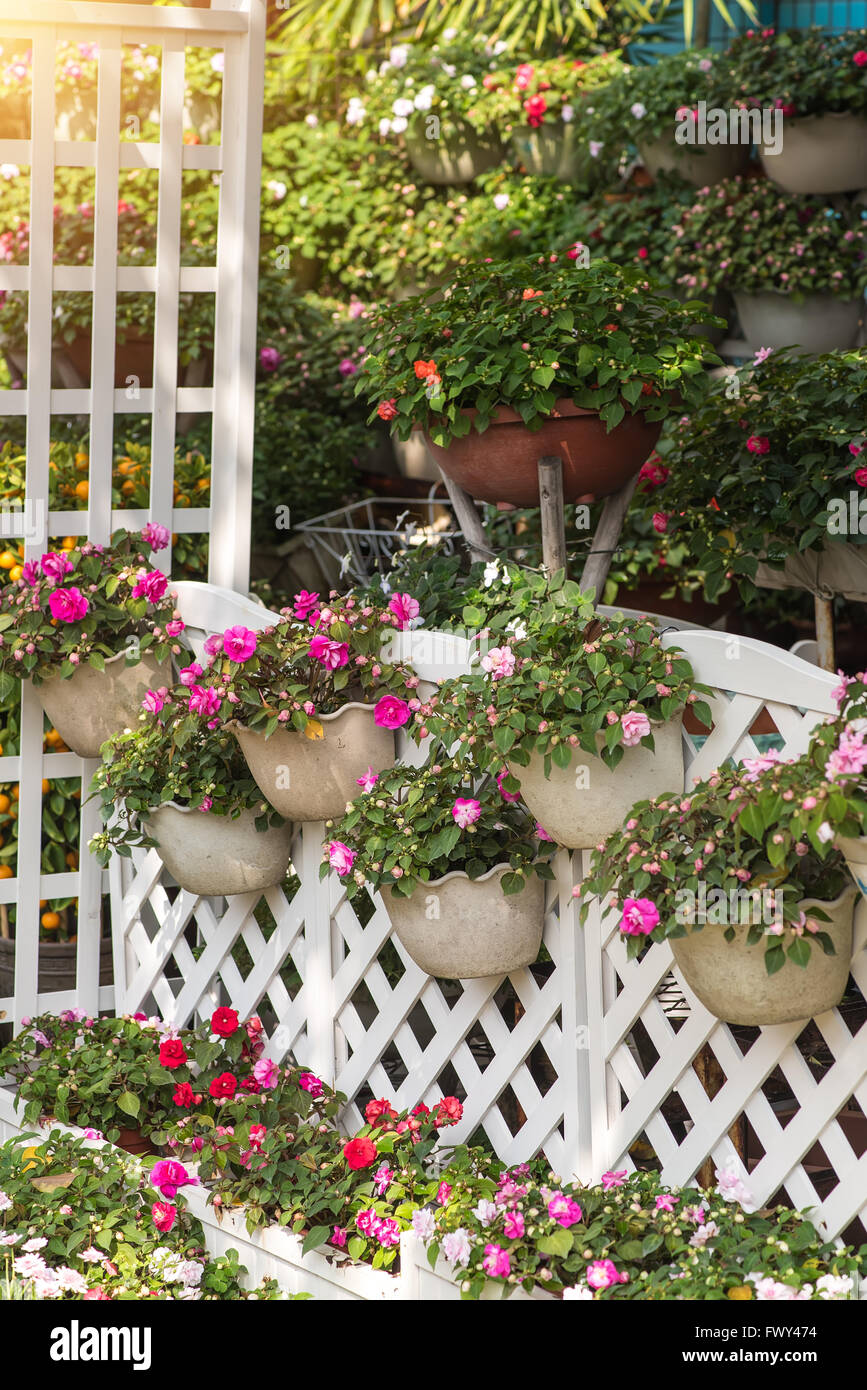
469 521
824 609
552 515
598 562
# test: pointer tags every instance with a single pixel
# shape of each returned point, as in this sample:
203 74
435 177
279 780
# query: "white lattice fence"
552 1058
236 28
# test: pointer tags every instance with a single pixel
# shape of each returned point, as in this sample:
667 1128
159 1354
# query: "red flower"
860 58
164 1214
642 253
386 410
660 522
758 444
376 1112
535 108
360 1153
183 1094
224 1022
423 369
251 1084
448 1112
421 1109
652 474
172 1053
531 294
223 1085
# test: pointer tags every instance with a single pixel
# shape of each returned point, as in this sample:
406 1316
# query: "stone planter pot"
92 705
580 809
820 154
216 856
56 969
553 151
700 165
820 323
456 158
840 567
730 978
500 465
459 928
855 854
308 779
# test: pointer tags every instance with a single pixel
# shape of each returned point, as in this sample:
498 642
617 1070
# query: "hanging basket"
701 165
730 978
456 158
459 928
840 567
820 323
581 804
820 154
90 706
552 152
216 856
310 779
501 464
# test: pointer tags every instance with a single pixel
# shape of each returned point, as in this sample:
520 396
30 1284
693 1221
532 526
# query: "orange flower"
424 369
531 294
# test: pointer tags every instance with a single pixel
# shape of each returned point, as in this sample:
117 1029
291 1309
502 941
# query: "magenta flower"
239 643
496 1262
267 1073
155 535
404 607
635 727
164 1214
55 566
204 701
758 444
601 1274
269 359
563 1210
514 1225
391 712
338 1236
30 573
174 627
329 654
542 834
189 675
466 811
303 603
639 918
382 1178
151 584
155 700
213 644
68 605
341 857
311 1084
507 796
347 367
665 1202
499 662
368 781
388 1232
611 1180
167 1175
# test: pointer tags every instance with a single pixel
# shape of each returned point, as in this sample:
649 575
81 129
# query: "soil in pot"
731 980
581 804
500 465
456 158
216 856
56 970
458 928
820 154
92 705
820 323
700 165
312 778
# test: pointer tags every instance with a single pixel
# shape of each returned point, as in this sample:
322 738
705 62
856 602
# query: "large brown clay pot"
500 465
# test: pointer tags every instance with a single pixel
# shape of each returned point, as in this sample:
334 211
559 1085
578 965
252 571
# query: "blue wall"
833 15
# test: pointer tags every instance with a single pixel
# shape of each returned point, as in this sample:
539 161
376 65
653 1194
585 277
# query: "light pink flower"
602 1274
635 727
499 662
267 1073
466 811
612 1179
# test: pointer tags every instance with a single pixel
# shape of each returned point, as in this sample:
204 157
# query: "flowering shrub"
803 72
756 472
807 245
526 334
644 102
635 228
411 825
757 838
87 604
551 92
444 80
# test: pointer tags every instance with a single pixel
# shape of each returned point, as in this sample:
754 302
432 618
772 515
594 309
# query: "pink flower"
341 857
496 1262
752 768
55 566
167 1175
444 1191
665 1202
860 58
303 603
391 712
507 796
612 1180
30 573
155 700
382 1178
860 476
514 1225
338 1236
174 627
524 76
758 444
640 916
404 607
311 1084
164 1214
542 834
563 1210
68 605
190 674
267 1073
368 781
601 1274
204 700
466 811
151 584
387 1232
660 522
635 727
269 359
367 1221
328 653
499 661
239 643
155 535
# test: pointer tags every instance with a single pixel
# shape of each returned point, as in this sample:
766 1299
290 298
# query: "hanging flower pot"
552 151
701 165
731 979
216 856
586 801
460 928
819 154
311 775
818 323
89 706
458 155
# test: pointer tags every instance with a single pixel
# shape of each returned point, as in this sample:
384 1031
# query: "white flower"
423 1224
402 107
189 1294
355 111
468 82
424 97
456 1247
568 113
10 1238
371 75
486 1212
517 629
92 1256
449 34
9 171
834 1286
580 1293
191 1273
218 62
399 124
398 56
638 110
594 147
732 1189
384 126
277 188
491 574
5 1201
46 1285
703 1234
71 1280
768 1289
37 1243
824 833
449 69
501 201
311 120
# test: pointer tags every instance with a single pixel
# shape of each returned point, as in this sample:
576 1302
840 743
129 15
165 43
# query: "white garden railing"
236 27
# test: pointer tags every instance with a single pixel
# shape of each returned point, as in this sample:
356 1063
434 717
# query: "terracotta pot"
553 152
578 809
820 323
500 465
459 928
92 705
308 779
700 165
56 969
820 154
457 158
732 982
134 1142
216 856
855 854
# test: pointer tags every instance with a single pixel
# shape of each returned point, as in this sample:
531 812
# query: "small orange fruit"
16 791
5 803
46 786
182 500
50 921
5 871
15 573
202 484
8 560
69 542
128 488
82 489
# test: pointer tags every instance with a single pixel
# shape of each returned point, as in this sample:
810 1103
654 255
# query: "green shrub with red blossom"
802 72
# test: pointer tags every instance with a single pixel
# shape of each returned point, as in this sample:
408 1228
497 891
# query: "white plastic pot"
819 323
216 856
581 804
731 980
820 154
700 165
312 778
90 706
459 928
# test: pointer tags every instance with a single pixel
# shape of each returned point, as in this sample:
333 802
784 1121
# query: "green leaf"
129 1104
559 1242
316 1237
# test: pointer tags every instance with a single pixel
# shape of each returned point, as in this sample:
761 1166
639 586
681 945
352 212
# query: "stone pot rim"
826 116
460 873
193 811
234 724
791 295
850 890
107 661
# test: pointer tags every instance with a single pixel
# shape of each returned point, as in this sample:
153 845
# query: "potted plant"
761 483
521 359
819 81
741 877
311 701
806 287
432 99
90 627
460 865
183 787
579 714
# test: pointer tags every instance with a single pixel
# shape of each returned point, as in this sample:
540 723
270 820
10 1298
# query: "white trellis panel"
237 27
374 1022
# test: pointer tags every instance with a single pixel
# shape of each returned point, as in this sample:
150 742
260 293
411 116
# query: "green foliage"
807 71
